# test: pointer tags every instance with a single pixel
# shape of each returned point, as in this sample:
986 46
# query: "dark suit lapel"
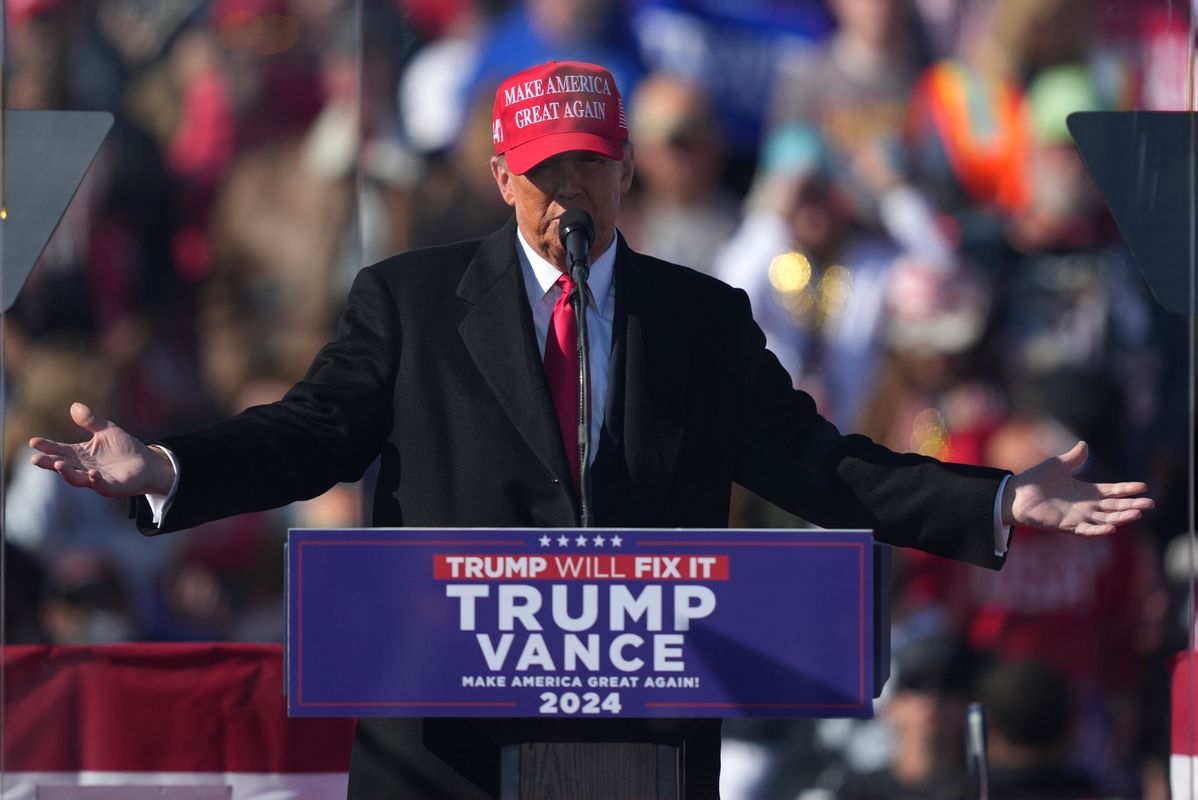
499 335
655 358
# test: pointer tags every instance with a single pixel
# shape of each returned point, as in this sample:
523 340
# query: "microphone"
975 749
577 232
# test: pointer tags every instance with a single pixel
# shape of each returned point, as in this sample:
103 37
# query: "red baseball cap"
556 107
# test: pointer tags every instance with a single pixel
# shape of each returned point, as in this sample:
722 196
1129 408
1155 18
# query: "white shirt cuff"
1002 533
161 503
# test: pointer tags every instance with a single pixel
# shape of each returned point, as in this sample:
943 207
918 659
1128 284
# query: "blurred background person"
937 389
729 51
934 681
678 210
85 601
912 749
853 90
816 279
432 97
968 130
225 583
1030 723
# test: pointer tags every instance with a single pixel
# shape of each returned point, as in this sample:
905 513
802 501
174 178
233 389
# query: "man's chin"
556 255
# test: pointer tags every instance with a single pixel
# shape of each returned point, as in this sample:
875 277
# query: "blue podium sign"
580 623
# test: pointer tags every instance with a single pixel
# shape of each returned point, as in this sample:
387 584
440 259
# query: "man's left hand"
1048 497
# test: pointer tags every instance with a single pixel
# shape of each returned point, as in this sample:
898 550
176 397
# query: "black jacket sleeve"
327 429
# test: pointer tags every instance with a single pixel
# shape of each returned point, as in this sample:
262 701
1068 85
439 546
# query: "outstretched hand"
112 462
1048 497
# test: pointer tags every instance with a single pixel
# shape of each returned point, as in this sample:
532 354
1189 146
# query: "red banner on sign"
580 567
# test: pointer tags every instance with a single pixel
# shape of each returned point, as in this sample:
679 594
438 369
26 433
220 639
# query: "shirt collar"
540 275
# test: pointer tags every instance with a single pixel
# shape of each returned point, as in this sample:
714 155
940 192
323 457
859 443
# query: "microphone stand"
580 270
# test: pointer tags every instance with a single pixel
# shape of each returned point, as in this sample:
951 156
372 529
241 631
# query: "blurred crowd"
891 181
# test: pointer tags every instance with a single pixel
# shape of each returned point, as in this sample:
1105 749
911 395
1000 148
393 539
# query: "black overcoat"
436 371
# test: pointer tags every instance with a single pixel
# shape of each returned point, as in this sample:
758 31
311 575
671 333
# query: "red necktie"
561 371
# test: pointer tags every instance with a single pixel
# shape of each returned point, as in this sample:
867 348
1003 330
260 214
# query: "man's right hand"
112 462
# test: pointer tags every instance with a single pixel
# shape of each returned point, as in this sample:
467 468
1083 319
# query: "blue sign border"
349 570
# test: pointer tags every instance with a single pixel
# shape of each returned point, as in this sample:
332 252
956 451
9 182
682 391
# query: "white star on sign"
616 541
581 541
562 541
544 541
598 540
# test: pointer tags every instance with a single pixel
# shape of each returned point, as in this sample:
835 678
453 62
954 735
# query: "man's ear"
503 179
627 167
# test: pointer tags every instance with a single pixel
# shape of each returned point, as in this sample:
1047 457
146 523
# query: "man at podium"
455 367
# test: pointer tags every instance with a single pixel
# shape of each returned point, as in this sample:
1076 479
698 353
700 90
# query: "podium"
595 663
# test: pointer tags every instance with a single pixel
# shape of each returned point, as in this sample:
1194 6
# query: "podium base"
589 771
